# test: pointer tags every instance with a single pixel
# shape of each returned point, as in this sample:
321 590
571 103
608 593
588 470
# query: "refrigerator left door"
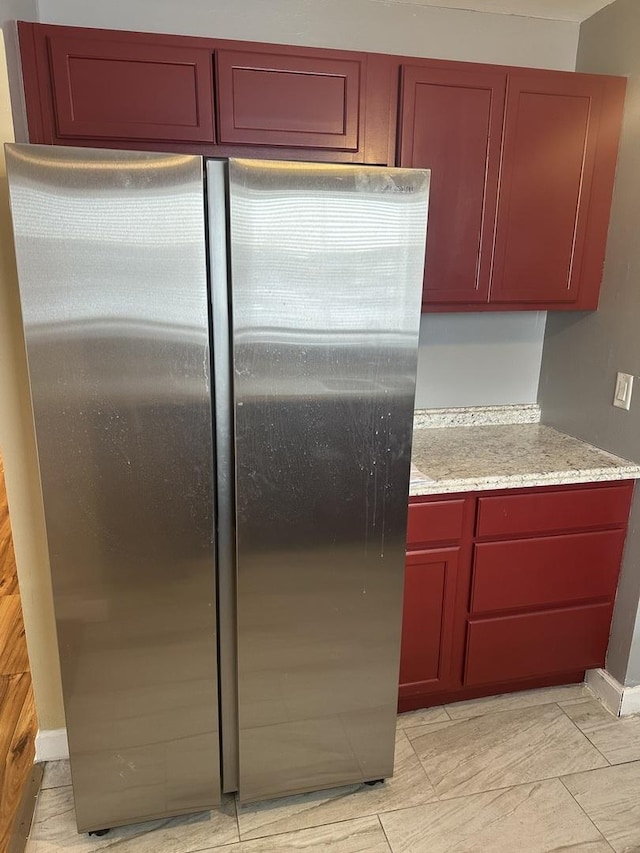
111 263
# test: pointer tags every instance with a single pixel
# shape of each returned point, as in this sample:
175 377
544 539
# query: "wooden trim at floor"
24 815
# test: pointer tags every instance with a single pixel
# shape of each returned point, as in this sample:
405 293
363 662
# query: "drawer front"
546 512
529 645
546 571
438 521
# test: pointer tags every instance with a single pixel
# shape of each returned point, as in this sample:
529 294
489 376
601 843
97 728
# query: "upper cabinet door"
451 123
550 147
284 99
108 88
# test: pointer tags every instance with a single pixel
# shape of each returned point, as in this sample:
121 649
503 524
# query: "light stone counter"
449 459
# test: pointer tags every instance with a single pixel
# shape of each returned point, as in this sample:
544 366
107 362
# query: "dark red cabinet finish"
451 123
535 645
534 512
110 89
550 148
523 160
435 521
522 596
521 187
545 571
427 623
208 96
288 100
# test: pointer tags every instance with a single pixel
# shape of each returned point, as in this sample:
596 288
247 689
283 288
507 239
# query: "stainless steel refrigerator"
222 358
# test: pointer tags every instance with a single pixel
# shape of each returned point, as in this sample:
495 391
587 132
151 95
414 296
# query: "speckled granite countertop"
449 459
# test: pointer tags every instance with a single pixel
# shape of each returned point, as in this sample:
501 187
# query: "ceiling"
560 10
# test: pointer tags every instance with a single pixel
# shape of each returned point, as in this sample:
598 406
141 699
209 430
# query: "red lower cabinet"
519 592
427 626
533 645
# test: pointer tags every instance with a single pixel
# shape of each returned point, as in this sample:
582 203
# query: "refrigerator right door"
326 265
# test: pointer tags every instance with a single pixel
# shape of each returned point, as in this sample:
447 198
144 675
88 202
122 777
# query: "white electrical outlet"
624 387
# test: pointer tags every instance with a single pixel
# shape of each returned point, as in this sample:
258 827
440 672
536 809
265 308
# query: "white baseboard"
617 698
51 745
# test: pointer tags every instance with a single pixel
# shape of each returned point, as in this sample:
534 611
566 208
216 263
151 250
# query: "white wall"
371 25
10 11
479 359
465 360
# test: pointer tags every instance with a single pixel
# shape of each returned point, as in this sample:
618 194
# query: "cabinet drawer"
546 571
439 521
546 512
537 644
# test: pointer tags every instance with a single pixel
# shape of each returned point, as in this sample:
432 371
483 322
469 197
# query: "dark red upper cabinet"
522 160
107 88
289 100
550 150
451 123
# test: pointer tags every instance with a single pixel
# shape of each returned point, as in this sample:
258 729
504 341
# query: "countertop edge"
523 481
496 415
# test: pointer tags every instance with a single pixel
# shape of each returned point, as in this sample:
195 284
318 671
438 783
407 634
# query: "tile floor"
535 772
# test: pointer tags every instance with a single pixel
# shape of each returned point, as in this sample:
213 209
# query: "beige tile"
611 798
409 786
57 774
363 835
420 718
618 739
538 818
54 830
501 750
511 701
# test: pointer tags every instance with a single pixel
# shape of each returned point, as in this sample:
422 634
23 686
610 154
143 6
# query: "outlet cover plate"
624 388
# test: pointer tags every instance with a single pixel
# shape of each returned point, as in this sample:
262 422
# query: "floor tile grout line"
518 695
623 763
379 814
384 832
585 735
316 826
384 811
235 809
424 769
493 713
507 787
585 813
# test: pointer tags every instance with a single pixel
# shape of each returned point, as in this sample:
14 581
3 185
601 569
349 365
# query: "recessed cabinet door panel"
550 141
288 100
109 89
451 123
427 622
